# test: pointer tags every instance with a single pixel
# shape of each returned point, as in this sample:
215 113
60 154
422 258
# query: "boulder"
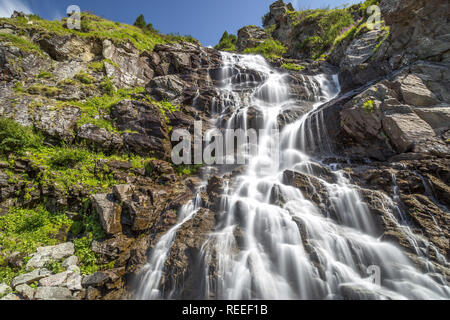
147 132
250 37
100 138
55 280
70 261
53 293
31 277
4 289
130 68
109 212
95 280
25 291
50 253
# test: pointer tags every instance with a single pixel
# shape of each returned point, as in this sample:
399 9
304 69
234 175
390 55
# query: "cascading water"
270 241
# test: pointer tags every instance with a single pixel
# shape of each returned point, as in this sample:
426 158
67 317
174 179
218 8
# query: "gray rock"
70 261
31 277
250 37
130 68
11 296
4 289
100 137
47 254
416 93
25 291
109 212
73 282
55 280
95 280
53 293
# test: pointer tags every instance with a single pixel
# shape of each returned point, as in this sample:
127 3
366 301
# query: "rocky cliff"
86 183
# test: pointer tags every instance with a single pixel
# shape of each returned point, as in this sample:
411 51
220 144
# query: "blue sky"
206 20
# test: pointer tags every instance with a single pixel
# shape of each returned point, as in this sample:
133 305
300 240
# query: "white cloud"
7 7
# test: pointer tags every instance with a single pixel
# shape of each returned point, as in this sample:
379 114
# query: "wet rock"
148 132
109 212
95 280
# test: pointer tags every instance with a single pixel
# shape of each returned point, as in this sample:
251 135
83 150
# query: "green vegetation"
84 77
93 108
91 27
16 138
45 75
271 49
22 43
99 66
227 42
40 89
140 23
330 23
187 170
24 230
369 106
382 38
292 66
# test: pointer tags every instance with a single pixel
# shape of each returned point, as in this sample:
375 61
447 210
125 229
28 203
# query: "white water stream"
271 242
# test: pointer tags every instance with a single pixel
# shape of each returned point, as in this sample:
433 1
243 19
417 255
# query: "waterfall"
272 241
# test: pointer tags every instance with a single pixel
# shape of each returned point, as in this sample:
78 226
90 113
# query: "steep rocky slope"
86 184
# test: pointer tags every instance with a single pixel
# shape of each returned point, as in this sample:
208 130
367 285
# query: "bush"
69 157
270 49
16 138
84 77
293 66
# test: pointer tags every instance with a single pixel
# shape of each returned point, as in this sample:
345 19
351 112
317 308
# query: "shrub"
40 89
45 75
369 106
107 86
68 157
15 137
84 77
293 66
270 49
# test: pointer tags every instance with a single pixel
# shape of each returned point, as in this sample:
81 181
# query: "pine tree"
140 22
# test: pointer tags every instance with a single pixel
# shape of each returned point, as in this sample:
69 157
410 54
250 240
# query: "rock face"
391 122
250 37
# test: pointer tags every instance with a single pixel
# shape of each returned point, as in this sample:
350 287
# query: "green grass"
94 27
43 90
93 108
271 49
45 75
15 138
22 43
292 66
84 77
187 170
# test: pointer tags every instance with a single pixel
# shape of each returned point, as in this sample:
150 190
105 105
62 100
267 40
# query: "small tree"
140 22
